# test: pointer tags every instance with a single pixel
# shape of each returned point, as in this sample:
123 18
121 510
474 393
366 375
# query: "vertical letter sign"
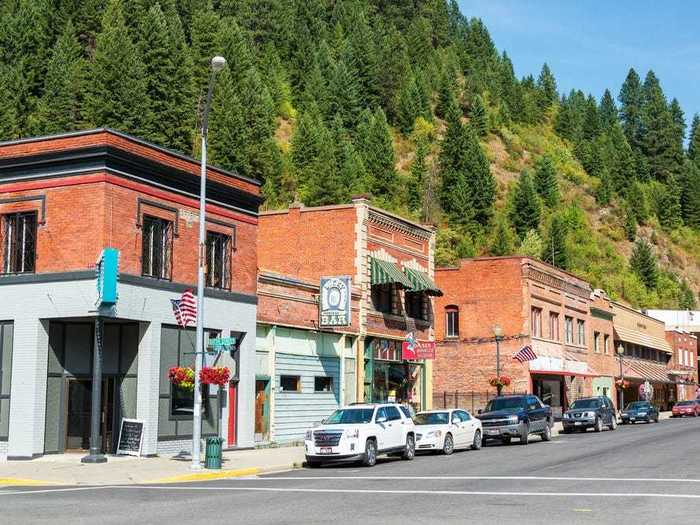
334 303
107 277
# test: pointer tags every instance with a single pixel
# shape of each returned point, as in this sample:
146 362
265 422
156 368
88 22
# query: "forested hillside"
407 101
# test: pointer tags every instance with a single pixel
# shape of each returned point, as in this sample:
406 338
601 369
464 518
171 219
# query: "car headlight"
589 414
567 415
434 433
512 419
354 433
309 435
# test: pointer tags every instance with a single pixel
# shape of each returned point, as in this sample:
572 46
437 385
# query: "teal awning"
421 282
383 272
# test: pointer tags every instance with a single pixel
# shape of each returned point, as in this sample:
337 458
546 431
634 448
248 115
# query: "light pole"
217 64
620 354
498 335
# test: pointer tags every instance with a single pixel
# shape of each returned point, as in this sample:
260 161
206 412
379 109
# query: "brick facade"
684 362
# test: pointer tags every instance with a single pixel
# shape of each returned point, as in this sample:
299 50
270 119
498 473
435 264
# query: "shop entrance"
262 410
78 411
550 389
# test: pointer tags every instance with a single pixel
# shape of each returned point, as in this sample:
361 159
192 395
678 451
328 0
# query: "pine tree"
622 168
396 66
59 108
630 224
419 175
478 117
456 195
658 131
686 297
479 178
205 37
532 245
639 203
690 194
375 145
591 120
502 242
547 88
344 97
446 106
546 181
411 105
525 207
631 109
643 263
607 111
555 249
116 94
9 107
694 141
669 208
320 180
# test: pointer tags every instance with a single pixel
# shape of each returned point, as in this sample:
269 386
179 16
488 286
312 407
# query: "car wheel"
312 463
566 431
410 451
369 459
613 422
547 434
624 422
448 447
476 443
598 425
505 440
525 436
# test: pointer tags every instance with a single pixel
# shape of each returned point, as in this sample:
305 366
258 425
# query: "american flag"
525 354
185 308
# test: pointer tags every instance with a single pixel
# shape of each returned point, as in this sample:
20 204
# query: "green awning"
421 282
383 272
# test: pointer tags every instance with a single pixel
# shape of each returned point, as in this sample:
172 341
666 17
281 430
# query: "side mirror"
479 411
381 419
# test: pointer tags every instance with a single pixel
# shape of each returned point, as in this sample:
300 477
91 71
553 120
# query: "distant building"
309 361
65 198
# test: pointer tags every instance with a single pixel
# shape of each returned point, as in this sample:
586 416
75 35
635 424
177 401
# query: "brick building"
306 370
683 365
525 302
65 198
601 351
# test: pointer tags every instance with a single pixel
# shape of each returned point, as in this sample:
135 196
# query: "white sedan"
446 430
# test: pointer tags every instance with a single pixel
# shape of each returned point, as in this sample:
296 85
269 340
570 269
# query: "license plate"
577 423
632 419
492 431
326 450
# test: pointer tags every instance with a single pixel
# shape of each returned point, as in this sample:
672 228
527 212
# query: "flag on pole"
525 354
185 308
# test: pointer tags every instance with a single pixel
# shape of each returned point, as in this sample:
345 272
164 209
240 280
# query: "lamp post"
498 335
217 64
620 354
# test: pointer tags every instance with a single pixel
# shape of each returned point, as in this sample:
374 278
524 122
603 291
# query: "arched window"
451 321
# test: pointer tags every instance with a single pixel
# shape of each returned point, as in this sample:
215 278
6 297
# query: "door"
536 411
396 433
466 428
79 413
261 409
232 413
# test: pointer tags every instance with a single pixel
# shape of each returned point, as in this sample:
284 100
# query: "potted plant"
182 377
500 382
215 375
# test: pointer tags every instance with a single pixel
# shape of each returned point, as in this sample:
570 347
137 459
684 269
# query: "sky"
591 45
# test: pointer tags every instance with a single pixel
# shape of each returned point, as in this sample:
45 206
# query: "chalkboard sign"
130 437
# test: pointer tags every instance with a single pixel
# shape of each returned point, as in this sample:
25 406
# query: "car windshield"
505 403
637 404
685 403
350 416
432 418
585 403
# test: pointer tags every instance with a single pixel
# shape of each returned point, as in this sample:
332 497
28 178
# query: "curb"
19 482
222 474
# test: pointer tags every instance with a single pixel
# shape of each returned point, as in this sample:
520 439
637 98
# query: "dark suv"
590 412
506 417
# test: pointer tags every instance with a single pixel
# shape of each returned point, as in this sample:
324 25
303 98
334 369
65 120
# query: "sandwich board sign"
130 437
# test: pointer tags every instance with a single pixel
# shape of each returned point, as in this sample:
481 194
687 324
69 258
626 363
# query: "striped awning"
384 272
640 370
642 339
422 282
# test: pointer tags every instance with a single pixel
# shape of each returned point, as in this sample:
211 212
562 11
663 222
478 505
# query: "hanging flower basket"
215 375
622 383
500 381
182 377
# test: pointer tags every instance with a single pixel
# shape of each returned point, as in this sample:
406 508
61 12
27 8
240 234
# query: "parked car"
447 430
640 411
590 412
362 432
518 416
686 408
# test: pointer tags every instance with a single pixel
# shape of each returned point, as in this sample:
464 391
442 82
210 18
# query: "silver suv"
361 432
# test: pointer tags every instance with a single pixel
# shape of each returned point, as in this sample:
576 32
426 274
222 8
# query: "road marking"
429 492
475 478
46 491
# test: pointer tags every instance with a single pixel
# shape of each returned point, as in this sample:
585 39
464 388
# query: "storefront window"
386 349
398 383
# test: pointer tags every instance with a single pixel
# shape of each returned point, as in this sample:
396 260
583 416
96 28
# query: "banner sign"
412 349
334 303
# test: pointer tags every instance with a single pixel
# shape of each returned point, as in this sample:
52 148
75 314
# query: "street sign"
221 342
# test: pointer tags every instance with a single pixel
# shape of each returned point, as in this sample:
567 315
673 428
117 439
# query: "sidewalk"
66 469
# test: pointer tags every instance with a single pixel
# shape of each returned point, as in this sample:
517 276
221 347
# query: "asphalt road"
640 474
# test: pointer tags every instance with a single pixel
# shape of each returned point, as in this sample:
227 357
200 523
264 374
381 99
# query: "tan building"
601 351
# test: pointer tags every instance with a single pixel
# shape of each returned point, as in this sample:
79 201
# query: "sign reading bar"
130 437
334 303
412 350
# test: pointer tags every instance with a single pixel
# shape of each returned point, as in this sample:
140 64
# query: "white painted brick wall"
148 384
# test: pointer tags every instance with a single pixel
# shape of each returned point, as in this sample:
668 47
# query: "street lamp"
620 354
217 64
498 335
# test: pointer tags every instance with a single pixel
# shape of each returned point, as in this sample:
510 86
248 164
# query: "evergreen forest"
407 101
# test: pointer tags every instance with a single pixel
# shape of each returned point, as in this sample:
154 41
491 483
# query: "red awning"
636 369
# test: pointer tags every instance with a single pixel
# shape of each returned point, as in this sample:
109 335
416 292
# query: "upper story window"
581 329
18 232
157 247
569 330
451 321
416 305
218 260
382 297
606 344
554 326
536 321
596 342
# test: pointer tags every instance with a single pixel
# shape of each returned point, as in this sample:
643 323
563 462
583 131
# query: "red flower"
214 375
500 381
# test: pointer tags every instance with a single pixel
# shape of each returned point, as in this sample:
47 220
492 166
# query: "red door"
232 413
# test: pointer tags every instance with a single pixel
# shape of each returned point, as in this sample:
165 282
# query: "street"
648 472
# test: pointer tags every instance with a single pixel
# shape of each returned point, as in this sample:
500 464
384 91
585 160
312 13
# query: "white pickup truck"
361 432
